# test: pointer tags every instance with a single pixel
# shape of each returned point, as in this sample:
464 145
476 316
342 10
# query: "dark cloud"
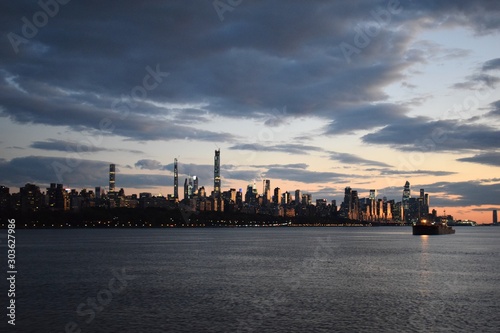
477 80
60 145
82 62
491 64
390 172
291 166
468 193
83 111
425 135
495 110
353 159
82 147
289 148
481 78
70 171
492 158
148 164
144 181
304 176
365 118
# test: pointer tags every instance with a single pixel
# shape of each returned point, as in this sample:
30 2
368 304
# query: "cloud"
72 147
290 165
353 159
365 117
495 110
391 172
78 69
304 176
72 173
45 170
462 194
148 164
491 158
288 148
481 78
492 64
426 135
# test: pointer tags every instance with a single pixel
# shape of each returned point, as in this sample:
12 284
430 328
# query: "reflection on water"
262 280
423 265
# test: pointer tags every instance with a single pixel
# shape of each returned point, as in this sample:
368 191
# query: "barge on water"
425 227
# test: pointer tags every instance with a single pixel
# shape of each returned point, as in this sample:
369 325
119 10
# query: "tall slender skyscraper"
495 218
405 202
298 197
111 178
195 184
406 195
217 184
176 180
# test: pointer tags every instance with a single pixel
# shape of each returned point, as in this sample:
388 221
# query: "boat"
426 227
461 223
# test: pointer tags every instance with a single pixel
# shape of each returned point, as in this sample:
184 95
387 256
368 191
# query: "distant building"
98 193
195 184
188 188
298 196
405 202
277 196
286 198
4 198
217 181
58 197
30 198
176 180
495 218
111 178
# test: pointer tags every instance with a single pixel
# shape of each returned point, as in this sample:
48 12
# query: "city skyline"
316 96
197 198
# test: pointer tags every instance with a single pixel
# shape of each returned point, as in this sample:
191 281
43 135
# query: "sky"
313 95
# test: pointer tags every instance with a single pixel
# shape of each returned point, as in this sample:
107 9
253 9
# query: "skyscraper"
267 191
406 195
188 188
111 178
405 202
372 202
176 180
195 184
217 183
267 186
277 196
347 203
298 197
495 218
